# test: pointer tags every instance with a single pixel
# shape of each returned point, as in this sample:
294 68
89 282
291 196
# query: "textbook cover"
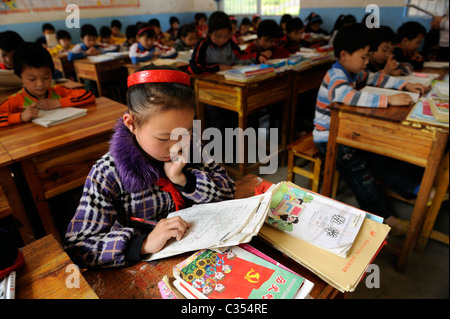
235 273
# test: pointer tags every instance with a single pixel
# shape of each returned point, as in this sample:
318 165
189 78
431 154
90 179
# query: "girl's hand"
48 104
399 99
416 87
165 230
174 172
31 112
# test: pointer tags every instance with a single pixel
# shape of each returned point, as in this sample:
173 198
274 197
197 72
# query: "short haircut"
105 32
219 20
147 99
47 26
33 55
294 24
88 29
149 32
198 16
154 23
410 30
10 40
116 23
380 35
270 29
173 19
63 34
131 31
351 38
246 21
186 29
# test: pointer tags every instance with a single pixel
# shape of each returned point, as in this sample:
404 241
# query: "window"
436 7
261 7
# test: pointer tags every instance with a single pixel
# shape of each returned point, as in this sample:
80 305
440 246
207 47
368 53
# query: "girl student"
147 47
141 177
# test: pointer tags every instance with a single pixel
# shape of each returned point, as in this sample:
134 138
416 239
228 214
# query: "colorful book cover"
236 273
314 218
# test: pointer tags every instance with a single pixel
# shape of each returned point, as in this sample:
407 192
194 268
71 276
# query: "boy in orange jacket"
34 65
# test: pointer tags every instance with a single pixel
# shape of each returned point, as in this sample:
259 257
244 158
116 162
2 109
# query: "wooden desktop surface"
141 279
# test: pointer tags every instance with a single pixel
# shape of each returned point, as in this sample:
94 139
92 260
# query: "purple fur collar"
136 171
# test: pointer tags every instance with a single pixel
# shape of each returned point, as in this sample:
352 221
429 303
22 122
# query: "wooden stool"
306 149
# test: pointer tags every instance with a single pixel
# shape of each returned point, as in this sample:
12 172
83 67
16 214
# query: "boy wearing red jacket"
34 65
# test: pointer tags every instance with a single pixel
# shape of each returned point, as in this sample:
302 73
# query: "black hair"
146 99
116 23
149 33
313 18
63 34
88 29
269 28
105 32
131 31
246 21
33 55
285 18
294 24
380 35
351 38
10 40
410 30
198 16
344 19
219 20
47 26
173 19
154 23
186 29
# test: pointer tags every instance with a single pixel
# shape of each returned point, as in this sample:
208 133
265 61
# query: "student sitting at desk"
140 177
146 47
265 46
381 56
88 45
409 38
9 42
64 43
130 32
217 51
187 38
34 64
351 47
291 41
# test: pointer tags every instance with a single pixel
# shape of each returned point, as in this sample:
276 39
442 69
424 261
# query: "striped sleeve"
10 110
383 80
73 97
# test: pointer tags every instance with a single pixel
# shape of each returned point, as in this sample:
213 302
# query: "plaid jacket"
122 185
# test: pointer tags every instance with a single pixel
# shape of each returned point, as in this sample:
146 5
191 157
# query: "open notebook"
56 116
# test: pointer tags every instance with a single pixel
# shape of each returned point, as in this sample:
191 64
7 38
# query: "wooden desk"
45 271
134 67
141 279
57 159
381 131
245 99
101 72
62 64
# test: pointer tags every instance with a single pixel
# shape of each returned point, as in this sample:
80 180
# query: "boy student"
217 51
264 47
161 37
9 42
88 45
351 48
409 38
294 28
382 48
130 32
34 65
47 29
116 26
188 38
64 43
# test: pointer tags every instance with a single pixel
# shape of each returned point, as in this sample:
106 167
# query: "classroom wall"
392 13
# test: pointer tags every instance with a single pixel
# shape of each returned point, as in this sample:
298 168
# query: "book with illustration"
234 273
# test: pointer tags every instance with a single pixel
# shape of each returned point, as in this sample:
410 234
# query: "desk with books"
58 158
385 132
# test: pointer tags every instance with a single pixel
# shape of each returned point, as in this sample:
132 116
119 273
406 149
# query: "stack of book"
250 73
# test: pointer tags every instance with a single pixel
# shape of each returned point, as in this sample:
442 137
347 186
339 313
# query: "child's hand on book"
93 51
31 112
48 104
165 230
399 99
416 87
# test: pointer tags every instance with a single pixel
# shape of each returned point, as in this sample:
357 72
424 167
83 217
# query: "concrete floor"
427 273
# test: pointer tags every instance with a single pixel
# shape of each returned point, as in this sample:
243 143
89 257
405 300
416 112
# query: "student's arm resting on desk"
73 97
76 53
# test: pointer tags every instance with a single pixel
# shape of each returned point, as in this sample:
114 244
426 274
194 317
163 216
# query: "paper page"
389 92
436 64
211 224
56 116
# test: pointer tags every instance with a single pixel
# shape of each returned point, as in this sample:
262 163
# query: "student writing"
141 177
34 64
88 45
291 40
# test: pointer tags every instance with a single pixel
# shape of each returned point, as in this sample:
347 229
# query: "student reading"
34 65
351 47
139 177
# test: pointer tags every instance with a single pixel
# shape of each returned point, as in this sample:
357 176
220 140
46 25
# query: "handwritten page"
389 92
216 225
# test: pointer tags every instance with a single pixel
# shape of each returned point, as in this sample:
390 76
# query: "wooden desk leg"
37 191
15 202
419 212
435 207
330 161
242 123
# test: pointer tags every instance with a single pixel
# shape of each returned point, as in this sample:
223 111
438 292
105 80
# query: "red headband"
158 76
143 30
